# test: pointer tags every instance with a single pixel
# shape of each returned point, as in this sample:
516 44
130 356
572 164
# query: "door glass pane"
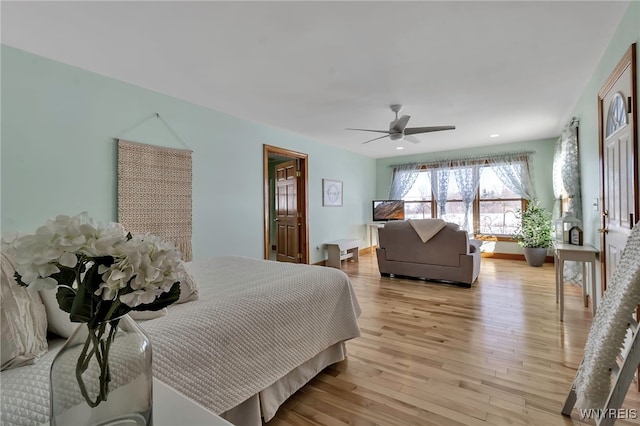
617 115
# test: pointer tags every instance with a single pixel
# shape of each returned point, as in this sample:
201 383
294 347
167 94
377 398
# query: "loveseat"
449 255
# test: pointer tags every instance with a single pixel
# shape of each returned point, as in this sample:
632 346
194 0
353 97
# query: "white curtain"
566 184
440 185
468 180
514 171
404 176
512 168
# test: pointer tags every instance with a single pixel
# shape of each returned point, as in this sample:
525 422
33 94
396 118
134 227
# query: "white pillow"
188 287
58 320
23 320
60 324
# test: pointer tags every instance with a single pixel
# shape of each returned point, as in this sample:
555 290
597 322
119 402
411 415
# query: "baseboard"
367 250
512 256
506 256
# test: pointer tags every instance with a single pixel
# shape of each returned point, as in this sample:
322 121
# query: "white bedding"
255 322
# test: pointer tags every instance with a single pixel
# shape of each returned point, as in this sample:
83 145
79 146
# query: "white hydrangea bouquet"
102 273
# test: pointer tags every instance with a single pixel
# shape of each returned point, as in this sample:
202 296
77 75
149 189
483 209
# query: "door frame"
302 199
628 60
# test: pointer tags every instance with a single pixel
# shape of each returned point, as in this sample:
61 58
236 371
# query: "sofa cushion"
403 244
23 319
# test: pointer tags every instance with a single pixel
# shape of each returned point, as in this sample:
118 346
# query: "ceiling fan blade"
414 130
411 139
369 130
400 124
371 140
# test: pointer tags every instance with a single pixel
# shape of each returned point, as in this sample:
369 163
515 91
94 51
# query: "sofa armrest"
474 245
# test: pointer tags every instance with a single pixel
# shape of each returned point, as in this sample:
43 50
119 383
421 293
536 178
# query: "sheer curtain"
515 173
404 176
566 184
468 180
513 169
440 185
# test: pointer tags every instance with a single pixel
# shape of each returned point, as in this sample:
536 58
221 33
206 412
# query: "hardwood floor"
437 354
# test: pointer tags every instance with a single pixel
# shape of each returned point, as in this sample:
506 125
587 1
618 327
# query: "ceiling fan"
398 129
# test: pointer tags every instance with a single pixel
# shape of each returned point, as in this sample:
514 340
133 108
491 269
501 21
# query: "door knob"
603 230
605 213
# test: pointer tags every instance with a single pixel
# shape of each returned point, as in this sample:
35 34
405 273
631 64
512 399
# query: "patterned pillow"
23 319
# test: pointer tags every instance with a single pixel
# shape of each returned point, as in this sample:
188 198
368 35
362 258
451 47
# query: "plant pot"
117 391
535 256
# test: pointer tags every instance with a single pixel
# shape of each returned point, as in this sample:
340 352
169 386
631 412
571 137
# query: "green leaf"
19 279
92 278
81 308
65 297
164 300
66 276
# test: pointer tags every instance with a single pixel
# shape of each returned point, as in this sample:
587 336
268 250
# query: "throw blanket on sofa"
255 321
427 228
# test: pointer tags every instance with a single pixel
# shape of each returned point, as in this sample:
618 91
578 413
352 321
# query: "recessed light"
400 147
495 135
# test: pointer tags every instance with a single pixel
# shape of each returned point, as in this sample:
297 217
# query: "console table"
374 226
585 254
335 249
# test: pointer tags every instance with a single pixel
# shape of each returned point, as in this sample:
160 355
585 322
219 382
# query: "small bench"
336 249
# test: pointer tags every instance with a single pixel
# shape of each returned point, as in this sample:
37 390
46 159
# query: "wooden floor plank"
438 354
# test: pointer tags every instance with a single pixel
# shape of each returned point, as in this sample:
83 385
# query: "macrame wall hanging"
154 191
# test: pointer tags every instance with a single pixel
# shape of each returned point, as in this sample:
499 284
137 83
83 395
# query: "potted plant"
534 232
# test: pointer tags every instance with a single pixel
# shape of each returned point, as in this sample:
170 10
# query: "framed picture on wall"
331 193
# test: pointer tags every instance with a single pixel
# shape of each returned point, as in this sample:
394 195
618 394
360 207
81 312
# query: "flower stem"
100 346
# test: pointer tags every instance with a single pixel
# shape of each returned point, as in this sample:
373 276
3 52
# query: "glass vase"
103 376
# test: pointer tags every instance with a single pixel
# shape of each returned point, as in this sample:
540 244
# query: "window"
496 205
493 209
418 201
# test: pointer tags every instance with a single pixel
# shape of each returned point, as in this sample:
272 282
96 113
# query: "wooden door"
618 148
287 220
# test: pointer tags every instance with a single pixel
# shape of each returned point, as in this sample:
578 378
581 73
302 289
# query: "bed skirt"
265 404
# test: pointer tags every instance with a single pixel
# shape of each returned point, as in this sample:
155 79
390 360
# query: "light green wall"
542 161
58 156
586 110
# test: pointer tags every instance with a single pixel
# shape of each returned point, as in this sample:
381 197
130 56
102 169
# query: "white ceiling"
315 68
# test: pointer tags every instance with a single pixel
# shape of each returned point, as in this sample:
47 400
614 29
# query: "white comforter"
254 322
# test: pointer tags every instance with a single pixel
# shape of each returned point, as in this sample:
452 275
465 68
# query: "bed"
259 331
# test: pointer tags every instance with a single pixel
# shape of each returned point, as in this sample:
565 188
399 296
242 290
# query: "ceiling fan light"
396 136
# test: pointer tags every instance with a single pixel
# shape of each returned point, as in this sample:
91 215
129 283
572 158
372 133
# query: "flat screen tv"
385 210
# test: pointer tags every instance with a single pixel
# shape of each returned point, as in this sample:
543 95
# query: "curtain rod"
481 157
